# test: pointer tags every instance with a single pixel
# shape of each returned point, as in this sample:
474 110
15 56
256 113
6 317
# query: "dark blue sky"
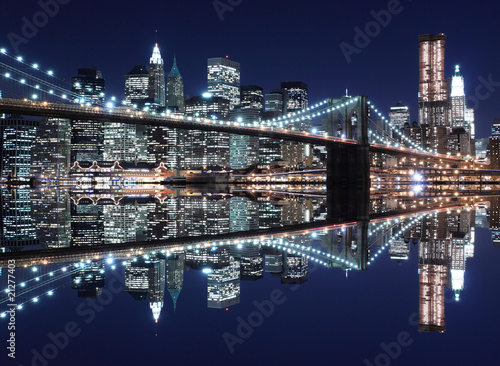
282 40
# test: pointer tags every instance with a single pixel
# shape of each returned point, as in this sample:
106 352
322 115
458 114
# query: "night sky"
275 41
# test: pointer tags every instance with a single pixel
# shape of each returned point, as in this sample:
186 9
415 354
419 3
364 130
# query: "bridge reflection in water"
442 230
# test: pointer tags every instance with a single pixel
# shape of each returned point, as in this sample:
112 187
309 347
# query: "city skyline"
331 63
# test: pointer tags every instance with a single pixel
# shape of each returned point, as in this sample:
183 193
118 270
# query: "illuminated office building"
17 137
137 280
274 263
275 101
251 261
125 222
243 150
433 276
252 97
87 135
399 115
51 214
189 216
147 277
223 76
223 289
156 78
399 250
175 275
87 224
198 149
433 88
88 278
243 214
296 269
121 142
175 89
88 86
16 223
213 258
297 95
51 153
137 86
87 140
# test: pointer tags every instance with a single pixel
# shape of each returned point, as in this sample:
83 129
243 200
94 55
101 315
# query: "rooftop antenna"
346 92
156 35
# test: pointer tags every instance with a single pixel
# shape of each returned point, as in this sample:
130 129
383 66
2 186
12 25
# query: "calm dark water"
293 298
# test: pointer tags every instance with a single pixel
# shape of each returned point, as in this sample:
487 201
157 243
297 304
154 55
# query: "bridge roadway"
100 114
125 251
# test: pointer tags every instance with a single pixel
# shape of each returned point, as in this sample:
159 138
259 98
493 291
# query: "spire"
156 57
156 309
457 70
175 71
175 294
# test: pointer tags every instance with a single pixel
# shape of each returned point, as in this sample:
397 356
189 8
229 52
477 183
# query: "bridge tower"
348 165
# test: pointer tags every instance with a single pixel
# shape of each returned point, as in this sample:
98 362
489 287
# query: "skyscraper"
156 78
297 95
399 115
147 276
17 137
457 97
121 142
175 275
86 135
244 150
175 89
87 139
252 96
88 86
137 86
223 76
88 278
433 259
276 102
433 88
223 288
51 153
16 223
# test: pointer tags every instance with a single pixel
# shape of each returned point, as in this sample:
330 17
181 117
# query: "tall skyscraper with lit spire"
457 97
175 89
157 77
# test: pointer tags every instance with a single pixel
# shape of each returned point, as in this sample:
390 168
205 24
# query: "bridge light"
50 72
22 81
34 96
64 96
109 105
19 58
113 98
51 91
7 75
35 66
37 86
3 50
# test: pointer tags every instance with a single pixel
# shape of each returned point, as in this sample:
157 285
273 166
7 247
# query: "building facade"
223 76
433 88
